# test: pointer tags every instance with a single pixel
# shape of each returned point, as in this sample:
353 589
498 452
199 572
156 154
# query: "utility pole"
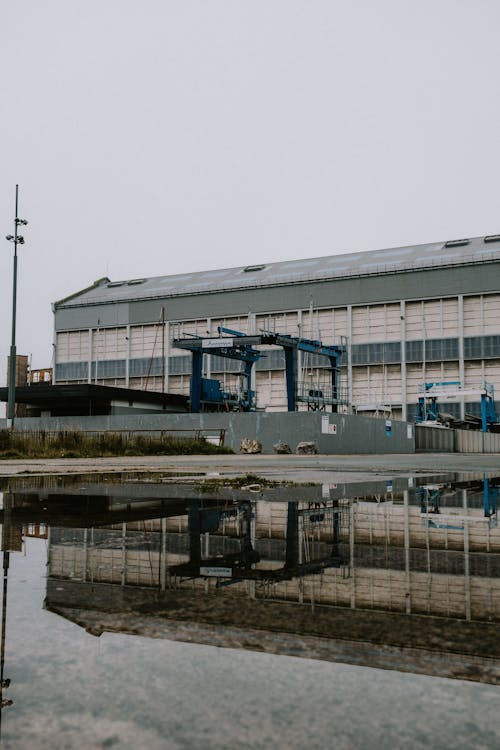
17 239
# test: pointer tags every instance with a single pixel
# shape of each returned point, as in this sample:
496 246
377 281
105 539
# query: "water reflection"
11 540
384 574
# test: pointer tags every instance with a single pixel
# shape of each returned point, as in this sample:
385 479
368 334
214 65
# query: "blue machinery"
429 497
431 393
239 346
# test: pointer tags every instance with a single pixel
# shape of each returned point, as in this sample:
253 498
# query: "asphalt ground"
319 468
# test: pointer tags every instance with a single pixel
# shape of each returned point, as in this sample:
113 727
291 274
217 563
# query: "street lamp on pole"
17 239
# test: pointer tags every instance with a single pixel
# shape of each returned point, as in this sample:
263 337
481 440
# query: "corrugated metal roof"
372 262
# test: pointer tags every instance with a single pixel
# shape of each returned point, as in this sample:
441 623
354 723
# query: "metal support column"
466 558
166 379
196 377
127 358
163 566
461 364
292 535
349 356
89 364
351 554
85 554
335 382
402 336
124 553
407 552
194 532
208 357
291 377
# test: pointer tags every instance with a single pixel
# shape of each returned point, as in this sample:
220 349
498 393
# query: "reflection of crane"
302 524
430 495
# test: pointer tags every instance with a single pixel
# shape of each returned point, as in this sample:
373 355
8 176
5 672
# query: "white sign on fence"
326 427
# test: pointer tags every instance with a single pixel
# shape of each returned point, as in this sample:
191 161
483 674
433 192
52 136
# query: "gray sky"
160 137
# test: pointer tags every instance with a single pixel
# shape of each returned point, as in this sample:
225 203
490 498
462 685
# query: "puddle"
400 575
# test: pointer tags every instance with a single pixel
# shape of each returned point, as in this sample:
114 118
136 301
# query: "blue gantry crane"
236 345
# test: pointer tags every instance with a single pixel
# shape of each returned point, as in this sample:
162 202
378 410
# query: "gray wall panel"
75 318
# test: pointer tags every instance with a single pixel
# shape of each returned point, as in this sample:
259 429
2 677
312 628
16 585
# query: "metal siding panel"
450 317
414 320
491 308
92 316
393 322
473 319
360 324
340 321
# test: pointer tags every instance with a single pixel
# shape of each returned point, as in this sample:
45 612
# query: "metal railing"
215 436
321 394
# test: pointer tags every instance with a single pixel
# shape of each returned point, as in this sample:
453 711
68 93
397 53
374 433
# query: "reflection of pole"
6 559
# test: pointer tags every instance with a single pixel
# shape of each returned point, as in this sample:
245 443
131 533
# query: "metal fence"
442 440
126 438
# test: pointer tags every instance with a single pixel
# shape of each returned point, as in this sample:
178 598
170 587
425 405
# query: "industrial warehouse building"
408 315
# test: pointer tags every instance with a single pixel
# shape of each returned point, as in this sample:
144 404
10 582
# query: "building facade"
427 313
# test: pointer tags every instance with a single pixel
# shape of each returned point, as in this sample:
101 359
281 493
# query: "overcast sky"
159 137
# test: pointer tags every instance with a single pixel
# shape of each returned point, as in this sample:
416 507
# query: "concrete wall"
332 433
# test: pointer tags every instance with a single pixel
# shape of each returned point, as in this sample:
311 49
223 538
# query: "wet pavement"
317 468
157 613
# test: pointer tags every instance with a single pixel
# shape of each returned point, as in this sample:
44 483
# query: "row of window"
115 368
424 350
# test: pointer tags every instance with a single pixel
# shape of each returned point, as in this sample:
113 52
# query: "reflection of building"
360 570
364 569
345 552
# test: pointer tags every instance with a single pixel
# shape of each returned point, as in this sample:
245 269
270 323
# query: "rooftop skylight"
456 243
